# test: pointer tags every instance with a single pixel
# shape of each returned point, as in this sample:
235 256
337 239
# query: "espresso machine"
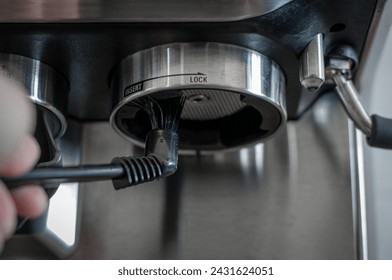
269 167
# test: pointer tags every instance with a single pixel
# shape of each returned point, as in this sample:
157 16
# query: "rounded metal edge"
194 151
279 104
54 111
18 67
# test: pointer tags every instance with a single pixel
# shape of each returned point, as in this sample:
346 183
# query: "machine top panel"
135 10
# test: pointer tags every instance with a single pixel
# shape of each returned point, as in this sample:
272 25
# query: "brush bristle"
165 113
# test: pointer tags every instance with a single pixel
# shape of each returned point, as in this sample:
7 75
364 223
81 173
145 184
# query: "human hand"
19 152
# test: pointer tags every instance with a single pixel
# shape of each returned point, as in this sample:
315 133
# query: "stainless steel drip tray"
287 199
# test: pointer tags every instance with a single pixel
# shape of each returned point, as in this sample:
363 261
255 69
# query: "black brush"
164 114
160 160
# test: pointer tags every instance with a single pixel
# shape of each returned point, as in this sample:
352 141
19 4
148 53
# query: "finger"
30 201
22 159
17 116
2 238
7 212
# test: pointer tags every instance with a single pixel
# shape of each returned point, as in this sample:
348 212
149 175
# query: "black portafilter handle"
160 160
381 132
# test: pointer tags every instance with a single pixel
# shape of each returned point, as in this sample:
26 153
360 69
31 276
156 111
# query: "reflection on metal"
251 163
292 210
240 86
350 100
358 192
63 212
60 235
244 160
62 225
45 86
292 146
323 113
259 159
298 207
375 233
135 11
312 68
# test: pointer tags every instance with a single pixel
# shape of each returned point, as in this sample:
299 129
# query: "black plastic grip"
381 135
138 170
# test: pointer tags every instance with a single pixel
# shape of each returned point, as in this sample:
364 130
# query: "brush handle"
50 176
160 161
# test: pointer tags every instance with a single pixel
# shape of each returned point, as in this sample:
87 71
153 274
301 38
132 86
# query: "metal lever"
349 97
377 129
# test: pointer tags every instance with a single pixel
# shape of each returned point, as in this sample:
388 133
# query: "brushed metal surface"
288 199
45 86
211 68
374 173
135 10
317 158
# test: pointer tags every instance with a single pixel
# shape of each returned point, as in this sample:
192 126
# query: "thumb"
17 117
